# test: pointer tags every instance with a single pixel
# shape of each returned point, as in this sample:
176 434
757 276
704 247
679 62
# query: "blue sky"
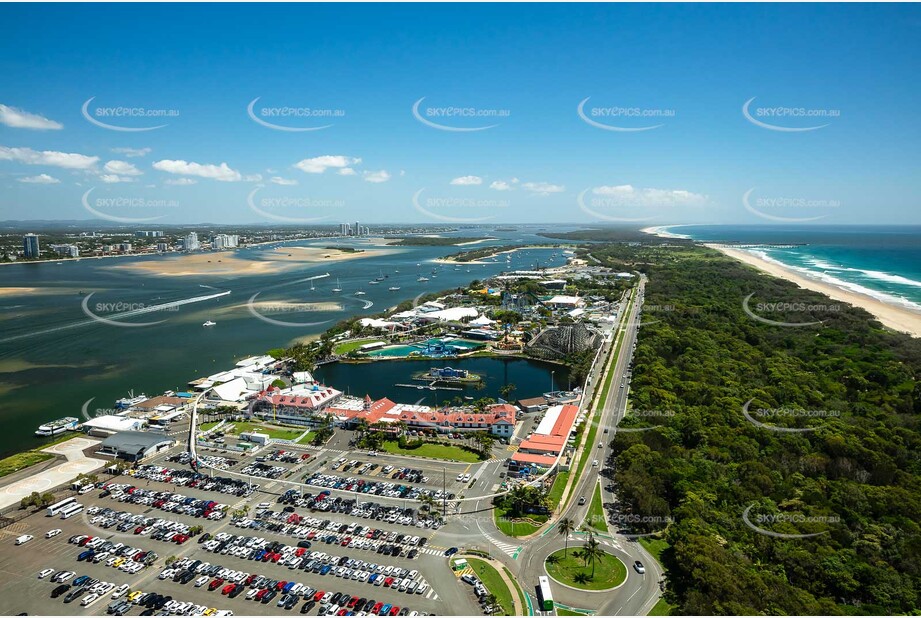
691 68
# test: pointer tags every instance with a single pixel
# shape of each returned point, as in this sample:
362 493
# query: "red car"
228 588
300 551
85 541
388 581
215 583
342 612
138 529
377 608
352 602
261 594
311 535
318 595
346 541
280 585
394 610
250 579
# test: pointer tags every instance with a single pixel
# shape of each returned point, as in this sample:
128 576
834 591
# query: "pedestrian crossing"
508 548
512 447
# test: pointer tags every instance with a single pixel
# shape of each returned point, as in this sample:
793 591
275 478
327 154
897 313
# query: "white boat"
130 400
337 288
209 323
55 427
394 288
360 293
373 282
422 279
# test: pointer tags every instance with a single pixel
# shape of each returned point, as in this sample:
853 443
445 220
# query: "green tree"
592 552
564 529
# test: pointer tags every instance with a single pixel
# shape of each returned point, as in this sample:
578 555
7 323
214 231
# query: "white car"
89 599
52 533
24 539
45 573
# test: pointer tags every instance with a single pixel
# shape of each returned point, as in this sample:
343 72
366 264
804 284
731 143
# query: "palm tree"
592 552
565 528
552 559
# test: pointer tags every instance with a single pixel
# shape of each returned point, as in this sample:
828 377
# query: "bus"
57 507
543 592
71 510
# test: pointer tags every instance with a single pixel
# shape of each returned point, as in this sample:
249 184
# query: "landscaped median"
494 583
570 568
432 450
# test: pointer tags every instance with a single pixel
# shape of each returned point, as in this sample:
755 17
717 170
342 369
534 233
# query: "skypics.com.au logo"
270 117
122 117
619 118
460 119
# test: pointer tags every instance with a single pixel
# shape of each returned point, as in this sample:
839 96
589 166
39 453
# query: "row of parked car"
156 528
353 535
264 470
284 456
406 516
73 587
185 458
168 501
264 590
386 489
118 555
190 478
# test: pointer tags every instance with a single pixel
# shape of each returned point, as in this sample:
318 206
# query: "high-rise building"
30 246
190 242
357 229
345 229
148 234
162 246
224 241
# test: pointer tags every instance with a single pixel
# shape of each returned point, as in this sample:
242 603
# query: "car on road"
451 551
45 573
25 538
581 500
52 533
638 566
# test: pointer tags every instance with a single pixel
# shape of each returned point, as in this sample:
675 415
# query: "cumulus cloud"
21 119
467 180
253 178
122 168
378 176
180 182
542 188
501 185
114 178
41 179
67 160
347 171
318 165
278 180
638 196
221 172
132 152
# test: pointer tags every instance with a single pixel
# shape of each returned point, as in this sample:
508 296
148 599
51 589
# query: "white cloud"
21 119
132 152
41 179
630 195
122 168
253 178
467 180
378 176
114 178
347 171
180 182
278 180
542 188
501 185
220 172
318 165
67 160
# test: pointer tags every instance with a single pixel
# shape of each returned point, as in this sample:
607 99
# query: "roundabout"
567 567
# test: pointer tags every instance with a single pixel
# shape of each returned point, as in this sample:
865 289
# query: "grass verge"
494 583
435 451
661 608
595 518
513 528
21 461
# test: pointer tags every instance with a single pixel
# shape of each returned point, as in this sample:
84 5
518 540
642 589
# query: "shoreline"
896 318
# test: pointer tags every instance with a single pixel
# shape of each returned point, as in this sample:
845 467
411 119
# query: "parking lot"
269 551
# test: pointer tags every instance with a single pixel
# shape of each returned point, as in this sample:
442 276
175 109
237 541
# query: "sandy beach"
227 263
895 318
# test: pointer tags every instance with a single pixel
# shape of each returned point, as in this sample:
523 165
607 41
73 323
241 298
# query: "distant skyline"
581 114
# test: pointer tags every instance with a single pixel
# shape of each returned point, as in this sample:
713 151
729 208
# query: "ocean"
55 361
883 262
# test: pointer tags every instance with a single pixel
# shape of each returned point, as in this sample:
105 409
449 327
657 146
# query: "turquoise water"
883 262
399 351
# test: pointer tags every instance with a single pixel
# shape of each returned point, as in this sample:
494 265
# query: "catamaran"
55 427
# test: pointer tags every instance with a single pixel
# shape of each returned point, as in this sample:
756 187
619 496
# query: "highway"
638 593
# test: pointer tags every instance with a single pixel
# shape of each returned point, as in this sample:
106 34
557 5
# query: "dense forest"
729 482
